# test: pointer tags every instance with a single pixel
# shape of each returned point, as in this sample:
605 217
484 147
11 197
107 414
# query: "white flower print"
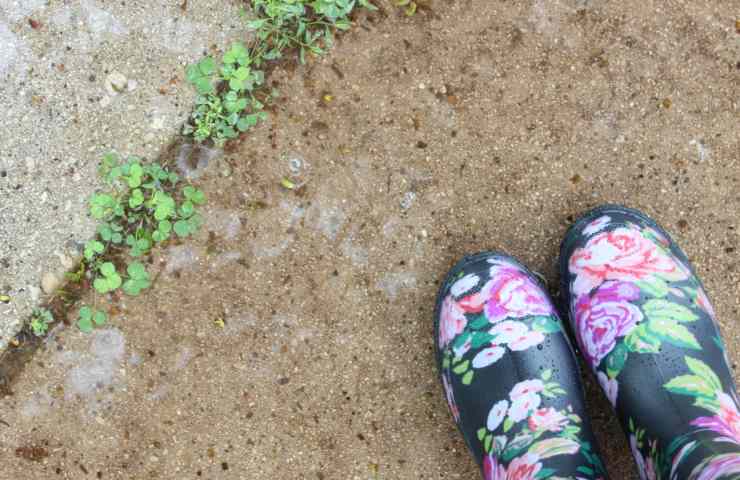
523 405
597 225
508 331
528 340
488 356
525 398
496 415
525 388
464 284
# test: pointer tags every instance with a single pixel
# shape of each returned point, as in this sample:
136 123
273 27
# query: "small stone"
116 83
50 282
66 261
34 293
131 85
105 101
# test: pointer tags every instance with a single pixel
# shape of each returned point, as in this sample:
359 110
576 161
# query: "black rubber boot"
645 326
510 375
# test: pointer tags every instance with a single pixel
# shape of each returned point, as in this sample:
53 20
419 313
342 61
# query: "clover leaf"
162 232
101 205
138 279
136 198
238 53
110 279
92 248
88 318
164 205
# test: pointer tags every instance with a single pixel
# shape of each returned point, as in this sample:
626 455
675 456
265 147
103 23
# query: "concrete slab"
58 62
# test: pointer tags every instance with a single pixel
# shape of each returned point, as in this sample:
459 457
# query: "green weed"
144 206
307 26
226 104
89 318
41 318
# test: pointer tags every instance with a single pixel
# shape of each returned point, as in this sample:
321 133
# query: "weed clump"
145 205
231 92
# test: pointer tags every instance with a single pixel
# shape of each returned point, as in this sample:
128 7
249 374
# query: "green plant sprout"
145 205
226 102
41 318
304 25
88 318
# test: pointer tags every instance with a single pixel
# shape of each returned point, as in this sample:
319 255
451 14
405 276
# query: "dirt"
292 337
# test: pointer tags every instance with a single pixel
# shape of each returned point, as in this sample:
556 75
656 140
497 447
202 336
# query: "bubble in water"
296 165
408 200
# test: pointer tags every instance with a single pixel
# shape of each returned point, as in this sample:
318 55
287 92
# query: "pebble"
34 293
116 83
50 282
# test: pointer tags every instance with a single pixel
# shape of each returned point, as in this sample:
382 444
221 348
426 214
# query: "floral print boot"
645 326
509 374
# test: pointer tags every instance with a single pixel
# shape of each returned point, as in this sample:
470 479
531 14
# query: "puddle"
99 368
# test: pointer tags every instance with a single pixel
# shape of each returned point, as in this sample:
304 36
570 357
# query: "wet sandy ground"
477 125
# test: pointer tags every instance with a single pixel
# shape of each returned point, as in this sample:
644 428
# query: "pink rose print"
547 419
451 398
603 317
621 254
726 422
525 467
610 387
472 303
512 294
452 321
